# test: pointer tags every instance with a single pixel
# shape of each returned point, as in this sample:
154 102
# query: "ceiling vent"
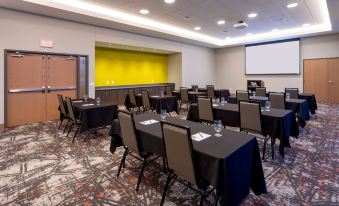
240 25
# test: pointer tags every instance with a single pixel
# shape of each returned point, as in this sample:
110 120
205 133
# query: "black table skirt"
312 102
95 116
278 123
168 103
231 163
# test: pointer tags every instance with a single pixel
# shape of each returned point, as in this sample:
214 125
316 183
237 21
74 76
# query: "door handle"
43 89
59 88
25 90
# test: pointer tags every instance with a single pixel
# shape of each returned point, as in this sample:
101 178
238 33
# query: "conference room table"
93 115
231 163
277 123
158 102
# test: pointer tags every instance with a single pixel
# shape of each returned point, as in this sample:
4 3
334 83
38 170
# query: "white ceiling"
272 14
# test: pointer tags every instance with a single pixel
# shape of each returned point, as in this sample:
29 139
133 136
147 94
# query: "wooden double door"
321 77
33 82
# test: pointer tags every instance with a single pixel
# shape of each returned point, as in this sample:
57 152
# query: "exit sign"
46 43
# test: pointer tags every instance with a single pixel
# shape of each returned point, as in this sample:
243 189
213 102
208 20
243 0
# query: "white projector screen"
273 58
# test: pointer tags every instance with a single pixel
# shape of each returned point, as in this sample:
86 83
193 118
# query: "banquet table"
231 163
192 96
158 102
218 93
277 123
92 115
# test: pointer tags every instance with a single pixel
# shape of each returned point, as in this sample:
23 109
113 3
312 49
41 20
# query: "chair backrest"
277 100
131 95
128 133
70 109
210 91
179 151
205 109
194 88
184 94
62 104
169 91
242 95
294 92
250 116
260 91
145 98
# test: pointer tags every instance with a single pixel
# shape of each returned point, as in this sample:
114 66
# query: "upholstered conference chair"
210 91
277 100
242 95
145 100
294 92
180 159
194 88
132 99
250 121
131 144
169 91
63 111
260 91
74 121
205 109
184 99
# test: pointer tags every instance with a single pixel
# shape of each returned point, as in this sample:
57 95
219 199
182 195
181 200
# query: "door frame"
6 51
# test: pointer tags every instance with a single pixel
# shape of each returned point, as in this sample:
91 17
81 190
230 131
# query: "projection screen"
282 57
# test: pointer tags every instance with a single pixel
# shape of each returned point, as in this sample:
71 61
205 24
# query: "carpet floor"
38 167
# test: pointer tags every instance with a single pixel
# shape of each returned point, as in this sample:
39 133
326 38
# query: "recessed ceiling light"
144 11
252 15
292 5
274 30
307 24
227 38
197 28
169 1
221 22
249 34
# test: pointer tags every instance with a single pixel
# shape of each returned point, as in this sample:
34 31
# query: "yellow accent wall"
114 67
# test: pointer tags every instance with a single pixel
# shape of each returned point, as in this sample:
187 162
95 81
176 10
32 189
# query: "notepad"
200 136
147 122
86 105
76 101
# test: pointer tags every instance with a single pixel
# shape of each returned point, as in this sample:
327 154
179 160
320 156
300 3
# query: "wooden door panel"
61 75
61 71
333 80
316 78
25 108
53 103
25 73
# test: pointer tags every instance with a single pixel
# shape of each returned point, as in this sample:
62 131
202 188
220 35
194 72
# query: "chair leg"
144 163
76 132
263 151
164 162
122 161
70 128
180 106
217 196
272 146
66 126
60 124
169 177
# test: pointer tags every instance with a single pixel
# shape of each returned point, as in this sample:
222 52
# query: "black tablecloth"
94 116
192 96
218 93
230 163
169 103
277 123
312 102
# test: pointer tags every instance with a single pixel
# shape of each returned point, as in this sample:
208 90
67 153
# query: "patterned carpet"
39 168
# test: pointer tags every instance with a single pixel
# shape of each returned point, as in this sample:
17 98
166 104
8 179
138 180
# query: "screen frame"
274 42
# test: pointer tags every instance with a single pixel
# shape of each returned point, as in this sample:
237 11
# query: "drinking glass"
163 114
222 100
217 128
162 93
85 97
98 100
267 105
253 93
288 95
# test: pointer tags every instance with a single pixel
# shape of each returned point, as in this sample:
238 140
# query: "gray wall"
21 31
230 64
